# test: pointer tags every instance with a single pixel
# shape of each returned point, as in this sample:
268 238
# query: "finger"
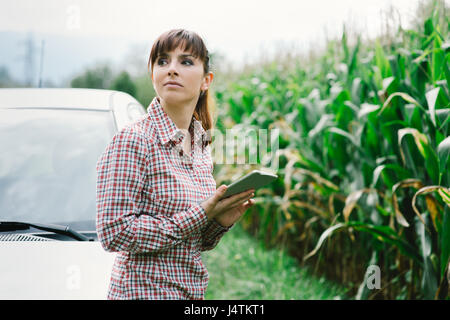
245 206
250 203
240 196
236 204
241 202
211 203
234 201
220 192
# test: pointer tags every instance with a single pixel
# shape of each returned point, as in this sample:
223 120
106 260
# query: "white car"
50 140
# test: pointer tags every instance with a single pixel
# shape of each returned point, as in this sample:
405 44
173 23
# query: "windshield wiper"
64 230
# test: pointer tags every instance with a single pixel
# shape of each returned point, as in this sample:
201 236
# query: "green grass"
241 268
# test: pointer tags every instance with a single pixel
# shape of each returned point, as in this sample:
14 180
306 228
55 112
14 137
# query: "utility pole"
29 60
41 65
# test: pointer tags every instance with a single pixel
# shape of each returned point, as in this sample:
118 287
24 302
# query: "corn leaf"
327 233
431 100
430 204
403 184
404 96
445 241
443 151
419 138
429 281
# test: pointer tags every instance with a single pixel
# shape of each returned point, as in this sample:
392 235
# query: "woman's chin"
175 99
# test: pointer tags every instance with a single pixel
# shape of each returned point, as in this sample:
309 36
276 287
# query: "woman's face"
178 77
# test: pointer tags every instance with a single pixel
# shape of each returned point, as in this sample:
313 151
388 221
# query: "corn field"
364 148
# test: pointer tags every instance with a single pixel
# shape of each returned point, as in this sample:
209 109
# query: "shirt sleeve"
212 235
121 226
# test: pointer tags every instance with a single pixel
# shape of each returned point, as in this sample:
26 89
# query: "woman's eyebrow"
164 55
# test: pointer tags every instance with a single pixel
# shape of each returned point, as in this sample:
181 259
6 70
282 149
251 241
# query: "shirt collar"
166 128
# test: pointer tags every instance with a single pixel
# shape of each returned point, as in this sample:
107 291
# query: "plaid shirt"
148 209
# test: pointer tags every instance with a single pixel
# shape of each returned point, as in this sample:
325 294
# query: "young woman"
157 202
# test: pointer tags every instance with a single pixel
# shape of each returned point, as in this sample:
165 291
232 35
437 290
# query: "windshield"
47 163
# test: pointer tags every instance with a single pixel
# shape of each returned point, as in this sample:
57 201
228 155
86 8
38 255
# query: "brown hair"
192 42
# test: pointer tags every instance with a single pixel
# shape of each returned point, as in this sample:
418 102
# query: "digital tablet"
253 180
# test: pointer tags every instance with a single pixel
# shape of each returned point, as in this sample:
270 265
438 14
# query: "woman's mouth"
172 84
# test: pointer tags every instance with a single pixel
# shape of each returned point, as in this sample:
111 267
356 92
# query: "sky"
77 33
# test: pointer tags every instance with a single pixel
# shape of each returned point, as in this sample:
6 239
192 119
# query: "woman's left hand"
229 217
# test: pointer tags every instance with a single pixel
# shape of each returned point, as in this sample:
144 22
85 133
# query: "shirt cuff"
192 220
215 229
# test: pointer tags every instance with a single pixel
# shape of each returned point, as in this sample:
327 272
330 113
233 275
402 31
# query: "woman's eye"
161 61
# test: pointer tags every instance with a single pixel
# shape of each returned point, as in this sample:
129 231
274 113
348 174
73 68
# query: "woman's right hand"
214 206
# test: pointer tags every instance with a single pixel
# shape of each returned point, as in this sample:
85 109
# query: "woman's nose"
172 68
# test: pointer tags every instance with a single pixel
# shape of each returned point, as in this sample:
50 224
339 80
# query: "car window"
47 163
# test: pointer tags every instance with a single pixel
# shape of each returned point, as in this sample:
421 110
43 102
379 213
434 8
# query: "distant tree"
99 77
6 81
145 91
124 83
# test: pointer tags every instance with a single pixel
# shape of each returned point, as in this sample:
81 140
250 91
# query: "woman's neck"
180 115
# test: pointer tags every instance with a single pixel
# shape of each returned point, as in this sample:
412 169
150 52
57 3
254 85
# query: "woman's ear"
207 81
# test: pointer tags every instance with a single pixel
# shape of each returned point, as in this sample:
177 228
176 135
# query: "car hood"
54 270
